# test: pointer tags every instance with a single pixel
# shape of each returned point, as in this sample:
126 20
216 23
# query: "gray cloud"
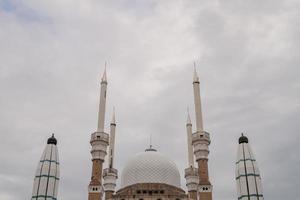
52 54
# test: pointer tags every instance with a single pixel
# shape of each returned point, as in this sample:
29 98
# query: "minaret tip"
196 78
104 77
113 119
188 120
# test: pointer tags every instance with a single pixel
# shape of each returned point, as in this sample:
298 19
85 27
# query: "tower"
201 142
110 174
99 142
47 174
191 173
248 179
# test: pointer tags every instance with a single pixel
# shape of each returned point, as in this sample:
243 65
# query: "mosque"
149 175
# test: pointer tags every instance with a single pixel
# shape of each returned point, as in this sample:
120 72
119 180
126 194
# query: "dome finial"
52 140
150 145
243 139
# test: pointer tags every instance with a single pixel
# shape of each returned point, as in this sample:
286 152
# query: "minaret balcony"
201 137
192 178
99 142
110 176
99 137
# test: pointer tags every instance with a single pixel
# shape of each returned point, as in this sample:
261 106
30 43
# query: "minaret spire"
201 142
189 140
112 139
99 141
102 103
191 173
197 101
110 174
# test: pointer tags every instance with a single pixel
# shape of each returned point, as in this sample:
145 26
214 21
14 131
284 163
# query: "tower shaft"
112 142
201 142
47 174
101 113
110 174
189 143
191 173
197 102
99 142
248 178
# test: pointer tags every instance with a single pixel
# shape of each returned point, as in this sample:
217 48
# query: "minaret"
247 174
191 173
99 142
47 174
201 141
110 174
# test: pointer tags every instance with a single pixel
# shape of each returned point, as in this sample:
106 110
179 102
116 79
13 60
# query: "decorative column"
191 173
201 142
248 178
110 174
99 142
46 178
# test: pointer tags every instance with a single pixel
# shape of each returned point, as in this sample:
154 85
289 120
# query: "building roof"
150 167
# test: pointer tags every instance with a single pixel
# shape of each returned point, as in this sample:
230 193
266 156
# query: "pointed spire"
46 180
189 139
188 120
197 101
102 102
196 77
104 78
112 139
113 119
248 178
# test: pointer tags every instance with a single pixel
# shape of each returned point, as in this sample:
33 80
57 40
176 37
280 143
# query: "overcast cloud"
52 53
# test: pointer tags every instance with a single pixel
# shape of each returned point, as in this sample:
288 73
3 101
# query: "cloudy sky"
52 54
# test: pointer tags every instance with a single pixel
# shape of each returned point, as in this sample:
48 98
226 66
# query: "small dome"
150 167
243 139
52 140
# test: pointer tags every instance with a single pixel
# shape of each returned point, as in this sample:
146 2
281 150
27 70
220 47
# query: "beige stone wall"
94 196
193 195
205 195
150 191
108 195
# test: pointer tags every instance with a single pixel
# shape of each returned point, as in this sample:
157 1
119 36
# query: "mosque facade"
149 175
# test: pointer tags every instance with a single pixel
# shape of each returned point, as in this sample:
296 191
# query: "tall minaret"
99 142
247 174
201 141
47 174
110 174
191 173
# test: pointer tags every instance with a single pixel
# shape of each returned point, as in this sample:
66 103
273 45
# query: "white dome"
150 167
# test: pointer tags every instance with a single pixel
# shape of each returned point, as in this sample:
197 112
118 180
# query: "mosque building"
149 175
